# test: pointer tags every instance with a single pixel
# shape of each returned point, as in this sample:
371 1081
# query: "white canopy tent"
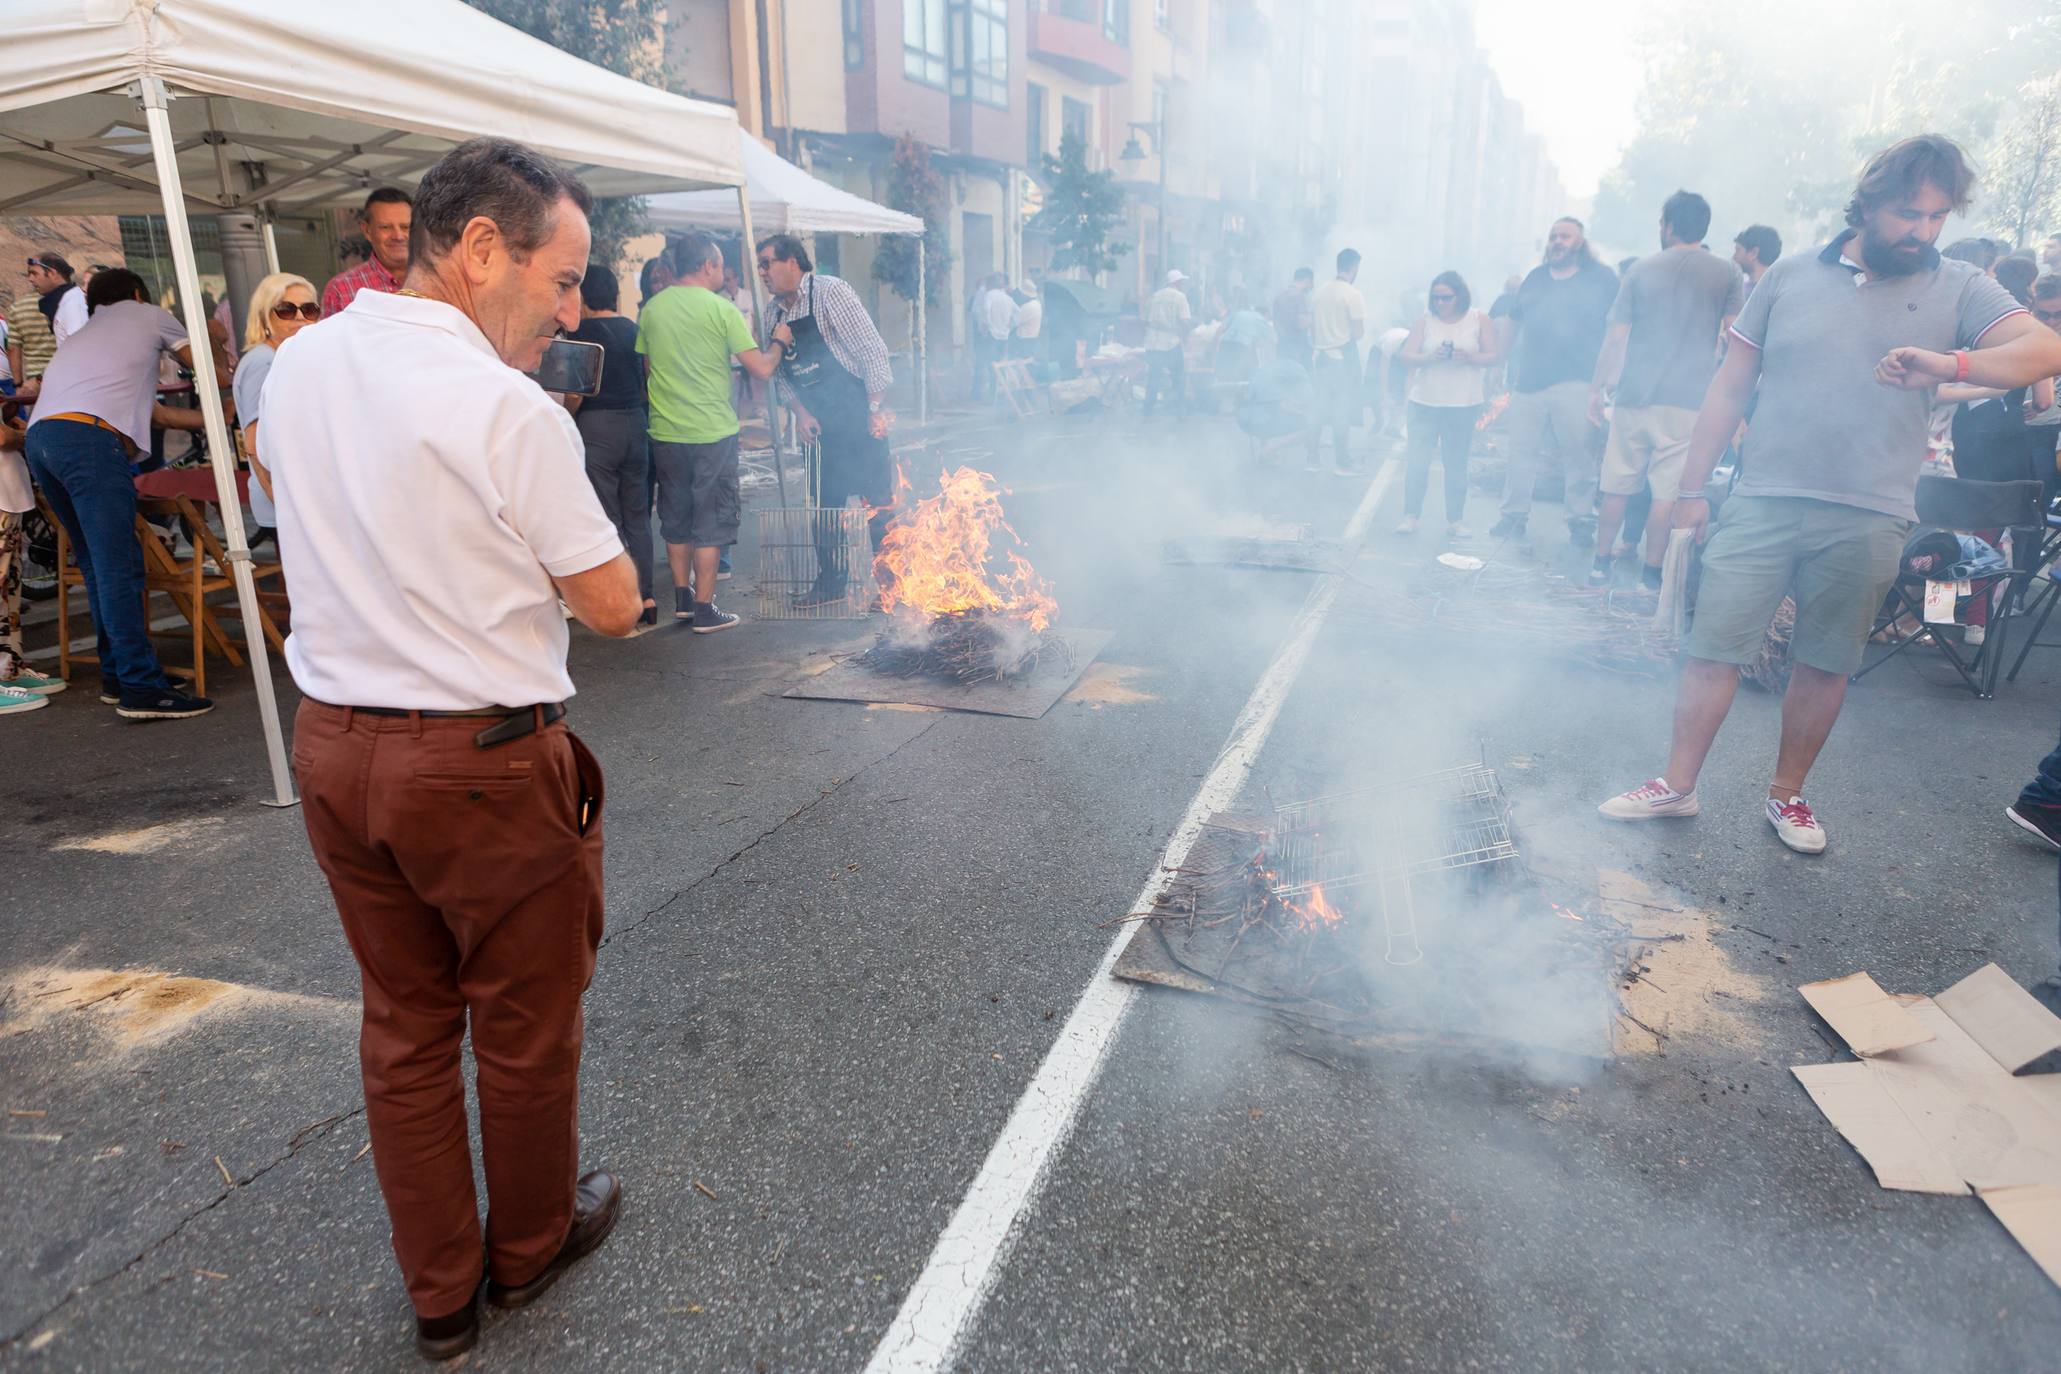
254 106
784 199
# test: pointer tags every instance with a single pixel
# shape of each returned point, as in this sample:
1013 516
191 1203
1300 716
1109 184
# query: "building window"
1162 15
1074 120
854 34
980 50
923 41
1034 123
1116 21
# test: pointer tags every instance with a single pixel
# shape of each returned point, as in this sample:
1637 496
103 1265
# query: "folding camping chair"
1963 506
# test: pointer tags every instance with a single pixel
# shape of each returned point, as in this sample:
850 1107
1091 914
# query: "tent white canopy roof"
297 105
784 200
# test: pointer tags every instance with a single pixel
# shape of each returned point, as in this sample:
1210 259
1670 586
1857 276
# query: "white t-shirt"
1030 318
426 494
71 315
108 369
998 313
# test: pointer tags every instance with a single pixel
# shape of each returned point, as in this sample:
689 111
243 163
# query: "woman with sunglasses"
281 306
1448 354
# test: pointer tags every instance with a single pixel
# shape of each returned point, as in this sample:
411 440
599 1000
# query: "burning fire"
1563 913
935 559
1316 911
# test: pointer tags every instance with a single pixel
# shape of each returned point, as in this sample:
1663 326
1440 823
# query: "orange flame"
935 558
1316 910
1563 913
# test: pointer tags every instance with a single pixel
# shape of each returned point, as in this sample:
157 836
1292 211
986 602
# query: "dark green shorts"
1838 561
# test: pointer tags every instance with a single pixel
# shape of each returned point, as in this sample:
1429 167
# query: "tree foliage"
1769 108
2024 165
915 188
1082 208
624 36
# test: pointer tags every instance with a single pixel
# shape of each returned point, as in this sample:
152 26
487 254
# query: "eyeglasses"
1444 296
765 264
308 310
2048 317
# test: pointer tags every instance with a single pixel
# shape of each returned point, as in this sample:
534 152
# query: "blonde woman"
280 308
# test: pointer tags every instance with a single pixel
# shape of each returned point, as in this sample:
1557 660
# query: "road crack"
824 794
302 1138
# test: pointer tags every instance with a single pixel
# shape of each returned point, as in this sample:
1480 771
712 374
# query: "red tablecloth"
196 484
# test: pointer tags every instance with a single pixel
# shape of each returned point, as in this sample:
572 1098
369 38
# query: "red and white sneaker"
1796 826
1651 801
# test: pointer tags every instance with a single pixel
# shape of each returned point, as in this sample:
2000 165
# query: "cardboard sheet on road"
1029 696
1947 1113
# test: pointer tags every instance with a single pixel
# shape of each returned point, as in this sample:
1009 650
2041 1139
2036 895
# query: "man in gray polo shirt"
1658 358
1845 347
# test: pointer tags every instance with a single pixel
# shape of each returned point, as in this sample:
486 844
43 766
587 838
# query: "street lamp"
1134 153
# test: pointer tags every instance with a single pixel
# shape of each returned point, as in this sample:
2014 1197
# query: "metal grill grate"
1437 822
795 544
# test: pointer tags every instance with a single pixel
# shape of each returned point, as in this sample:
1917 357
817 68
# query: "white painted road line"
947 1297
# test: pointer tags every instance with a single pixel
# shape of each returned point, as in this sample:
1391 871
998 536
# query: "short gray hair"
516 187
691 252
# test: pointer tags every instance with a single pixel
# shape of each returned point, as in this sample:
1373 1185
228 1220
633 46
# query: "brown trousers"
469 882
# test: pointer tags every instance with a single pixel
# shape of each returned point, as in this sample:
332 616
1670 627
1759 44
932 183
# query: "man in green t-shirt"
688 334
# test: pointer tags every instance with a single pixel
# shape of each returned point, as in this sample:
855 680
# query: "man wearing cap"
428 542
59 298
1167 322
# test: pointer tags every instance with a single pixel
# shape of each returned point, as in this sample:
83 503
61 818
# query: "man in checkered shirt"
386 219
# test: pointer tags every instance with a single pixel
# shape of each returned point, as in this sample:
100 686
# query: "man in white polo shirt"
427 542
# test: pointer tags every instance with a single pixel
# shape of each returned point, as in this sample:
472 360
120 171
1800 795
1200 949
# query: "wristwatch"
873 406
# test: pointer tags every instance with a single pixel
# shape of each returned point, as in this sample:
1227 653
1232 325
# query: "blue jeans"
84 474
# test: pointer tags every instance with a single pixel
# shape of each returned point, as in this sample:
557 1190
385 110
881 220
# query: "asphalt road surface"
842 941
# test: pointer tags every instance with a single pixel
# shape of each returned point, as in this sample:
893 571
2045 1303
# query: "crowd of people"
435 544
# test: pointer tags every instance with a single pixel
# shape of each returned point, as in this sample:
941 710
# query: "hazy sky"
1572 65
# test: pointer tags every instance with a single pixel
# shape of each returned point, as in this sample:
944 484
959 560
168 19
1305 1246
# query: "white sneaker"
13 700
1409 525
1973 635
1649 801
1456 530
1796 826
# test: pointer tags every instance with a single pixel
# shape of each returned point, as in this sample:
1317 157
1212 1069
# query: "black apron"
854 462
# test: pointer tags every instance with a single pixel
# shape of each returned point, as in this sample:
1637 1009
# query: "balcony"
1069 35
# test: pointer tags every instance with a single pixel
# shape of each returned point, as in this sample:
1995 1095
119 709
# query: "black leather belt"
514 721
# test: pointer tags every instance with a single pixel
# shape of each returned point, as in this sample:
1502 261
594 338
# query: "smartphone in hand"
571 367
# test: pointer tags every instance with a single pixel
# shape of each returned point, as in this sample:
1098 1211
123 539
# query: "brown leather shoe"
597 1201
446 1338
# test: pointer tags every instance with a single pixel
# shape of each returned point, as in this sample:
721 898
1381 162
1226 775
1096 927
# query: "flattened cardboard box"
1934 1104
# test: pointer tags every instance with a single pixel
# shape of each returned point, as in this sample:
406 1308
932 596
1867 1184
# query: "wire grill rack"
1433 823
794 544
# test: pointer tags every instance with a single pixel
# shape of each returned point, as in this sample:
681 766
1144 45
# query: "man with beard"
1832 461
1561 311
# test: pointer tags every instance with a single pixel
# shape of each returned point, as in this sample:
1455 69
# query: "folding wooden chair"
1015 385
1962 506
206 541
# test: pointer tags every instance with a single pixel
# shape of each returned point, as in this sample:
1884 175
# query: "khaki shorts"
1647 444
1837 561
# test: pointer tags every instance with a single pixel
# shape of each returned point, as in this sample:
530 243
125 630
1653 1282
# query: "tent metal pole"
922 333
750 266
271 245
221 457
